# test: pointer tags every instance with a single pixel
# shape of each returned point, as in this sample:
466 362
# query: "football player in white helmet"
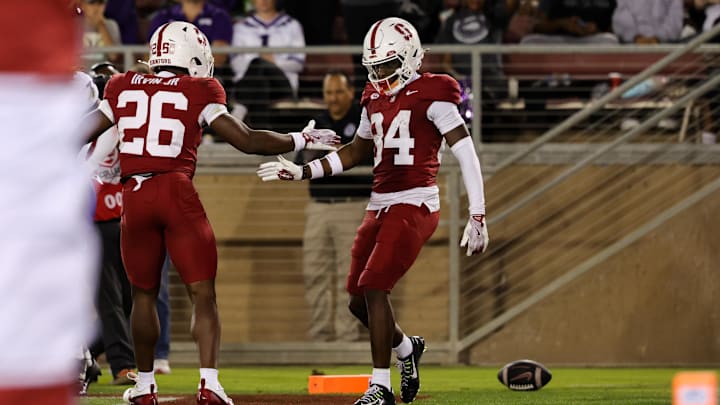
183 45
405 117
161 209
392 54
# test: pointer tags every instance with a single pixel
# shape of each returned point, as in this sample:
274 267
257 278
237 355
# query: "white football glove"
283 169
475 236
319 139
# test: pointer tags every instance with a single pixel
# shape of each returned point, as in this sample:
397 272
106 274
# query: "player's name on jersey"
139 79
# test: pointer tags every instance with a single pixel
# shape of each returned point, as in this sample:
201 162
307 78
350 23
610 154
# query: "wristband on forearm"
314 170
335 163
299 140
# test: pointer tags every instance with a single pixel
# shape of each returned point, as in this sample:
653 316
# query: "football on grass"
524 375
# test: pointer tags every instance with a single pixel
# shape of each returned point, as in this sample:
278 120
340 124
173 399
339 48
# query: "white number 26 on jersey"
149 109
397 137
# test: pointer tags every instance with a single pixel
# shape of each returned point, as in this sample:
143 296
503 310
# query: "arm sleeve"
105 108
445 116
472 174
364 131
210 113
104 145
215 102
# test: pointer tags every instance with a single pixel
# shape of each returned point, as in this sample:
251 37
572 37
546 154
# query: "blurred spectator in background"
98 31
468 25
358 16
125 14
522 20
233 7
317 18
146 10
332 216
424 15
473 24
213 21
573 22
703 15
261 79
648 21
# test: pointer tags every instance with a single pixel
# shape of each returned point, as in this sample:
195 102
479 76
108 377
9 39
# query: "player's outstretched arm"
334 163
263 142
96 123
475 236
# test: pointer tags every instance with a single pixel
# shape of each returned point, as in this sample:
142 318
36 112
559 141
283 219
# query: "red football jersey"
49 45
159 120
406 141
109 192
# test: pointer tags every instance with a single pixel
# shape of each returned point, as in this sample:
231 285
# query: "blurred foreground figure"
48 251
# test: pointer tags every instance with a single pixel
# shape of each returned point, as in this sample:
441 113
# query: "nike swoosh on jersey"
411 92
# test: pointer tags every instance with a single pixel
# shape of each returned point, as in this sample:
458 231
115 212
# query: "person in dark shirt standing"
332 217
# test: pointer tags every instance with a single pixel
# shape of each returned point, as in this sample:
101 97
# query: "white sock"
211 377
146 378
404 349
381 376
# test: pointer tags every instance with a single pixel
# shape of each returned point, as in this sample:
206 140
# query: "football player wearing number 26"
160 119
404 118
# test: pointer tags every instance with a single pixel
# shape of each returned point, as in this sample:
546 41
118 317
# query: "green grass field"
441 385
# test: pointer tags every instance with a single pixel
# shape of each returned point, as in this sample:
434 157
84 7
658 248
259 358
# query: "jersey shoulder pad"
212 89
369 93
114 85
440 87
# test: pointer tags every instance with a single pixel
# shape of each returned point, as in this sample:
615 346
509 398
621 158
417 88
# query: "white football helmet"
396 42
183 45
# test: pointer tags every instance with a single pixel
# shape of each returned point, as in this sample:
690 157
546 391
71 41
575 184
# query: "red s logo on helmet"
404 31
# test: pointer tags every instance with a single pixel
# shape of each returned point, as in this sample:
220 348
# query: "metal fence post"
476 66
453 193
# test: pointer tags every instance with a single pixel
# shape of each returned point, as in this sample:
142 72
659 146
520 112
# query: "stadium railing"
452 300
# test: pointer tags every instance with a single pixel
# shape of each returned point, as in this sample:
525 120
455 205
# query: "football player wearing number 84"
404 118
160 118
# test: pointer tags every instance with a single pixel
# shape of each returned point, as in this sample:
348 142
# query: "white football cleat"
208 396
140 394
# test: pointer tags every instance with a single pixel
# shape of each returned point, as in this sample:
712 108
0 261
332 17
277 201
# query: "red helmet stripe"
373 34
159 40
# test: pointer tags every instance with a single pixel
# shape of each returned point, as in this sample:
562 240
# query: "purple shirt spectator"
123 12
227 5
214 22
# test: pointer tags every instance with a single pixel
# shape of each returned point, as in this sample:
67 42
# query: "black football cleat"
409 370
376 394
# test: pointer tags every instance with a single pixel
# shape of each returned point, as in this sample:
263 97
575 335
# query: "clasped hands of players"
475 236
319 139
